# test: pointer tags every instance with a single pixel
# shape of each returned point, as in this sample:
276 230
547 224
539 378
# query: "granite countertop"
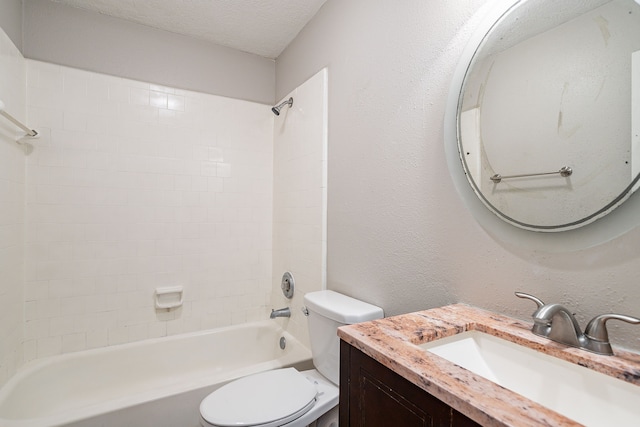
393 341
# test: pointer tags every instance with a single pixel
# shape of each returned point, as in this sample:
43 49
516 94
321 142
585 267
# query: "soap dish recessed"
169 297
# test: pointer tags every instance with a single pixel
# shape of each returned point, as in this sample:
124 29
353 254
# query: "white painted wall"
134 186
91 41
299 198
12 213
635 114
399 236
11 20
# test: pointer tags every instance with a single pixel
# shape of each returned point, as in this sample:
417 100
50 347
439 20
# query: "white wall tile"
74 342
299 213
158 99
176 102
124 199
12 215
48 346
135 186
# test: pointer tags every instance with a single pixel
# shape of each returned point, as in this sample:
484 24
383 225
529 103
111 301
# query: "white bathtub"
158 382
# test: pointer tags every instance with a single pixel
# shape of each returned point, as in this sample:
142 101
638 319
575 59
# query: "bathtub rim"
175 388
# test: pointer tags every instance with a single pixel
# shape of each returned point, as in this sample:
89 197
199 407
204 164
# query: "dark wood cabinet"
372 395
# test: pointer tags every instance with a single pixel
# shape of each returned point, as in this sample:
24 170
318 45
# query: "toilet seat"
267 399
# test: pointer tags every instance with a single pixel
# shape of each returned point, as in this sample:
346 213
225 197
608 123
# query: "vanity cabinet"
372 395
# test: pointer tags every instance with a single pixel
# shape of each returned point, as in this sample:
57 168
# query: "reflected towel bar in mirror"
564 172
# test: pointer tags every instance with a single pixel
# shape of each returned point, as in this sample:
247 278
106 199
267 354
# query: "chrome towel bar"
564 172
30 132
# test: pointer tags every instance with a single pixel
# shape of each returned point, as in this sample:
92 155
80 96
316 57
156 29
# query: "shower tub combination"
157 382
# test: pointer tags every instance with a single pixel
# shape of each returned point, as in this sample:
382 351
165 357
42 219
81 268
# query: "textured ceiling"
262 27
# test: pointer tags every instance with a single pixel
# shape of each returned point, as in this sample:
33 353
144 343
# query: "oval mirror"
548 118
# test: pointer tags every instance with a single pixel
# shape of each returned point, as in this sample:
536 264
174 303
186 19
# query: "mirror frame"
615 223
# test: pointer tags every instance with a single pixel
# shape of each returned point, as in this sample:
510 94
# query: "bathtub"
157 382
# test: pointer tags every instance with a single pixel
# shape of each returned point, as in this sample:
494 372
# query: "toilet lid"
270 398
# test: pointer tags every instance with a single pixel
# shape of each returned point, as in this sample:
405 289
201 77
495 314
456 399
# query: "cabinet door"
371 395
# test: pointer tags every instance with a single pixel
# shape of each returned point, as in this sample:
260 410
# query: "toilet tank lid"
341 308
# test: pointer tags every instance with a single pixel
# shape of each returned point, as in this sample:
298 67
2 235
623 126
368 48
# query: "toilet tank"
329 310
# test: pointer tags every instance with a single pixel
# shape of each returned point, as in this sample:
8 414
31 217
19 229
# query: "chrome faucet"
557 323
283 312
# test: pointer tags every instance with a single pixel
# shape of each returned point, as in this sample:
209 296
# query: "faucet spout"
556 322
283 312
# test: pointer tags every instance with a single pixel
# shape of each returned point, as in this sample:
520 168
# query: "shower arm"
288 101
277 108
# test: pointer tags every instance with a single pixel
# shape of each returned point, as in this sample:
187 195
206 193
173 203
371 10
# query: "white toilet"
287 397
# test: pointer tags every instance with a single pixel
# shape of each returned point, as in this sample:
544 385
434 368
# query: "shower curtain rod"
30 132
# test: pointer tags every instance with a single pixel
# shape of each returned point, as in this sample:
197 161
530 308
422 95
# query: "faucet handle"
537 300
597 329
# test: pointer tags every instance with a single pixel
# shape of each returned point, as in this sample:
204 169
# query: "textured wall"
134 186
267 27
90 41
299 198
12 213
11 20
399 235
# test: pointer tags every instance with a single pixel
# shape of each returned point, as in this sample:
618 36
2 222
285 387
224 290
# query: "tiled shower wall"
12 196
132 187
300 198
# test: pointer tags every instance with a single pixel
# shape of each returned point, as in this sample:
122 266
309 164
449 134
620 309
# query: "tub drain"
283 343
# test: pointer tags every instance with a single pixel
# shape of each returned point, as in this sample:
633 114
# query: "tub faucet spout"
283 312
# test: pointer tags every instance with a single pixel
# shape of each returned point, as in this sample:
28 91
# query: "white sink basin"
579 393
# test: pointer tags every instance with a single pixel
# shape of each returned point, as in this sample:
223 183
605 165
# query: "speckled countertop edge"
393 341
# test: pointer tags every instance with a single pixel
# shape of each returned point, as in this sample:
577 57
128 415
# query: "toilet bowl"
287 397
